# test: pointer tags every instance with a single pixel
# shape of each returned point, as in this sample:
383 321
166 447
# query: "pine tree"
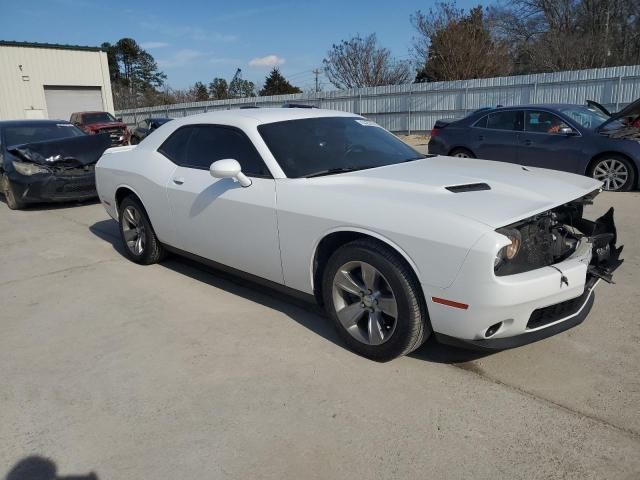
276 84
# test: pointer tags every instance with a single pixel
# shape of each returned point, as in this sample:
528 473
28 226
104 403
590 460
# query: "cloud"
198 34
152 45
268 61
180 58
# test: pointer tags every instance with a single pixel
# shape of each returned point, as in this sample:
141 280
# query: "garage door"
63 101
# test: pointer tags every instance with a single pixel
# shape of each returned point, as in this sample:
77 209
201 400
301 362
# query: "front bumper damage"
55 188
537 304
70 169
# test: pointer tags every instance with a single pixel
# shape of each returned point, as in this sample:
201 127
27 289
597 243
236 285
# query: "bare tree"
360 62
454 45
551 35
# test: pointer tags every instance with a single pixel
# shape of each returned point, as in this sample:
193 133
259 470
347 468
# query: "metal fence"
414 108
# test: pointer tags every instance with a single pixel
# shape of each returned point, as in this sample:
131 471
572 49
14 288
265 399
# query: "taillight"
435 132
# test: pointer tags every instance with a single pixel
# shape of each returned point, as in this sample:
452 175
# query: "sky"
197 40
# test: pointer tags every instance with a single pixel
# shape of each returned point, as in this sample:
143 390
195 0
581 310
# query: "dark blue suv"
574 138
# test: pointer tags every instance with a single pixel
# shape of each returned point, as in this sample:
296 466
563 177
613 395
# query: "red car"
102 122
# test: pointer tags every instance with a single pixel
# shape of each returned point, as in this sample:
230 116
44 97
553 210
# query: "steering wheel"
355 148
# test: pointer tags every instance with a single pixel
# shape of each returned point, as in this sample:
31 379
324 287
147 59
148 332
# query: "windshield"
588 117
98 117
333 144
40 133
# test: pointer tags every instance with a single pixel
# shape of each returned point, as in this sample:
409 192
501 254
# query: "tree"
551 35
359 62
239 88
276 84
219 89
134 72
454 45
199 92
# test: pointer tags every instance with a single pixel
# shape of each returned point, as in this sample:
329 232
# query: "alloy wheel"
612 172
365 303
461 155
133 230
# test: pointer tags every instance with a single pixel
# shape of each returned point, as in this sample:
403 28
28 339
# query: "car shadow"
40 468
209 194
307 314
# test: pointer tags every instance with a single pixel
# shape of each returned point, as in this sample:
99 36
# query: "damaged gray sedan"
47 161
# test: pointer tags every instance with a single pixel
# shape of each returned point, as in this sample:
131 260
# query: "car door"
495 136
217 218
546 143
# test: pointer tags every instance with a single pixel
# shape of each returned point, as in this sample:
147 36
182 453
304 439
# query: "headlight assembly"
25 168
510 251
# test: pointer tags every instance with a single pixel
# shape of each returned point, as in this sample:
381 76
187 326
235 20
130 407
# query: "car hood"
493 193
84 150
631 110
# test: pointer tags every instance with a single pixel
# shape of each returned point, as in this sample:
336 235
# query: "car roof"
31 123
259 116
548 106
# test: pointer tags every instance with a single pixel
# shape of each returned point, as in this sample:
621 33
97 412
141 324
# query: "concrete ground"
175 372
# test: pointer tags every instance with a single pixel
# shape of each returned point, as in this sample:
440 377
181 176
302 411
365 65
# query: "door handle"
481 137
178 180
528 142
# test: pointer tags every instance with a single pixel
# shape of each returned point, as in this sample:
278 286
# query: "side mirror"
229 168
119 119
568 131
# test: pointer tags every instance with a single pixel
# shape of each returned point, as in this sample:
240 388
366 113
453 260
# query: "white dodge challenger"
394 244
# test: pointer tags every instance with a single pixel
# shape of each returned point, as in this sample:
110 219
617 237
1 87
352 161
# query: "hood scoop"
469 187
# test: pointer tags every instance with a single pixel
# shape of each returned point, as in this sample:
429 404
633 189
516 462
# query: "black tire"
602 162
461 152
134 140
412 326
151 250
13 202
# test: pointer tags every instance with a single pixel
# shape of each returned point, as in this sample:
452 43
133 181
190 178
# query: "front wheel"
13 201
140 242
461 153
615 172
375 301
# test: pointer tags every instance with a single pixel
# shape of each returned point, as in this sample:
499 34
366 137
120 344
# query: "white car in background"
395 245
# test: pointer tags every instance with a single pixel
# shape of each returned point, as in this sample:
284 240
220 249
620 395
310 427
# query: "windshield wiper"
333 171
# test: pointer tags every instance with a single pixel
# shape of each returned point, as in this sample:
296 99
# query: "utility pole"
316 72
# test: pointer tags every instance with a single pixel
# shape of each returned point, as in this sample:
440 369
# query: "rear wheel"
140 242
461 153
616 173
374 301
13 201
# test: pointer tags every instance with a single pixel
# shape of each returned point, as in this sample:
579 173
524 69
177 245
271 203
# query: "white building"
40 80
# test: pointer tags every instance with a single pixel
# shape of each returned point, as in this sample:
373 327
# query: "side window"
543 122
509 120
482 123
198 146
174 147
142 124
